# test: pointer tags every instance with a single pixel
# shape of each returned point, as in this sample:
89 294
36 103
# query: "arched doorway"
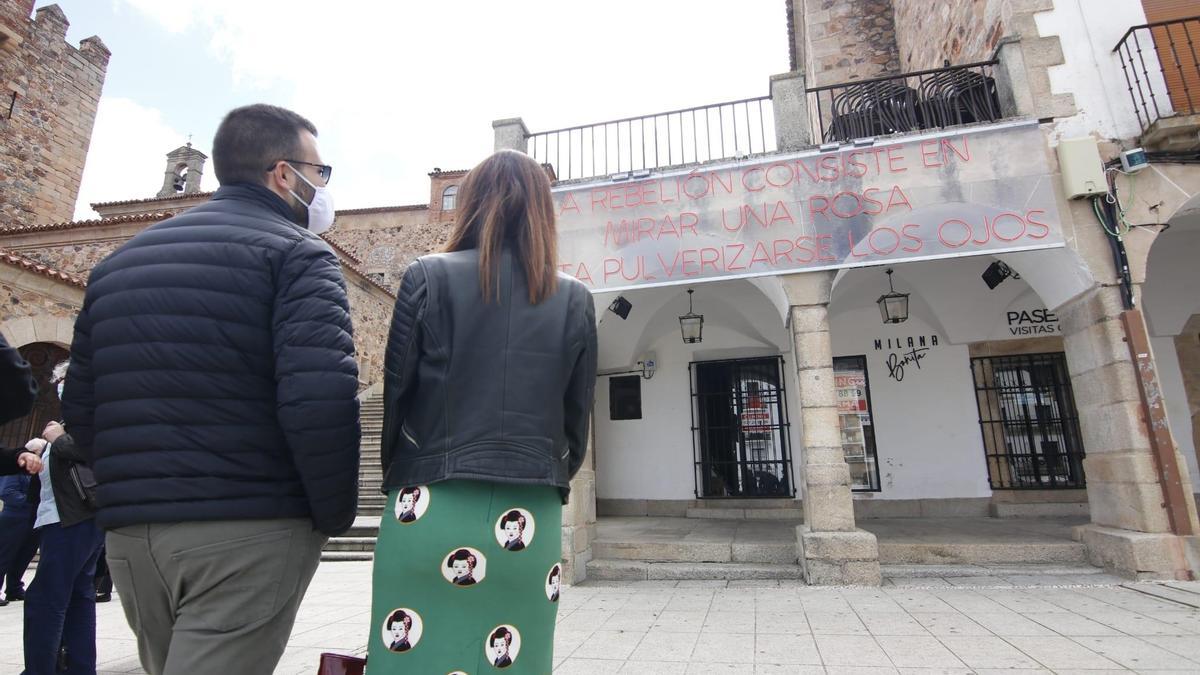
42 356
967 406
1172 310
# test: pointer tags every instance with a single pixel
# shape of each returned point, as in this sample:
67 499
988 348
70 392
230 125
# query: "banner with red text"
984 190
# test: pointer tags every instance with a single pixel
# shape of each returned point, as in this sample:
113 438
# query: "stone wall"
958 31
76 258
371 311
19 303
844 40
52 90
386 241
77 249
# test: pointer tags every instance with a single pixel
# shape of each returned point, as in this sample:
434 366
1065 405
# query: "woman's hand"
37 446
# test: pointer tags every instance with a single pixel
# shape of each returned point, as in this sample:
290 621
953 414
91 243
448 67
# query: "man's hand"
37 445
52 431
30 462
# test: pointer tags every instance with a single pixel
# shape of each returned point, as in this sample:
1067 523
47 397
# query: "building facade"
956 164
913 281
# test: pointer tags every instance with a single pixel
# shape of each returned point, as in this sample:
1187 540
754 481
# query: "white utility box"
1082 169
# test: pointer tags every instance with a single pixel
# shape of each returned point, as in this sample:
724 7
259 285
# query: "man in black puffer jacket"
213 382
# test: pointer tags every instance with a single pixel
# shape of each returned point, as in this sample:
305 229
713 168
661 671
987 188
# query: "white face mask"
320 210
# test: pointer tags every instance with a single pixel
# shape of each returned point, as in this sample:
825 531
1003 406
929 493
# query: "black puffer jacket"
497 391
212 371
17 386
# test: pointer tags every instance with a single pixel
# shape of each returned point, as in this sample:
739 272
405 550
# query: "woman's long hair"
505 200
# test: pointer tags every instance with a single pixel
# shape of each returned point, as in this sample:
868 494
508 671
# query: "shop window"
854 420
625 397
740 429
1029 423
449 197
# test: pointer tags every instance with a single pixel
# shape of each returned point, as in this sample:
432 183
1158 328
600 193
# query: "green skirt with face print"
466 580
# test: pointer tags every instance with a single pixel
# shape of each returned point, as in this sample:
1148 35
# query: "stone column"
1012 84
790 104
832 550
1130 532
579 518
510 134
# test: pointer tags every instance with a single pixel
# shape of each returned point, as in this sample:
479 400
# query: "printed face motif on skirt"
502 646
464 566
553 582
402 629
515 529
412 503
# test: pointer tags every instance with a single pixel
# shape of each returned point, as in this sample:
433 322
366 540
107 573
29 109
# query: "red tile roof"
125 202
76 224
381 209
18 260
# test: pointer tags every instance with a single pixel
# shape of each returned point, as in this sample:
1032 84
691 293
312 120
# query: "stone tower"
185 165
49 91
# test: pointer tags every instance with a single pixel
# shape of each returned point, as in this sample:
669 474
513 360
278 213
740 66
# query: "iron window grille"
1029 422
740 428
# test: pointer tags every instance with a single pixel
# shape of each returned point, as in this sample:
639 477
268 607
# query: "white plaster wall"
653 458
1169 297
926 426
1170 378
1088 31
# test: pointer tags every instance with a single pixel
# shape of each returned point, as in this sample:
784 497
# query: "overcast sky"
397 88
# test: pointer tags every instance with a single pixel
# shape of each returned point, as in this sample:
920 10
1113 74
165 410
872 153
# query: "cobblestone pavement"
1095 624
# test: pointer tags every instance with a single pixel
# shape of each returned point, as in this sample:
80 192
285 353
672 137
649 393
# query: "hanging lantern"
691 324
893 306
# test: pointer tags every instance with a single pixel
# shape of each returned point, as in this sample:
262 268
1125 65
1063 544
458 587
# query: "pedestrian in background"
60 605
18 540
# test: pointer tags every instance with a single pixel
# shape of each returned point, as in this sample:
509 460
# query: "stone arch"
1172 313
25 330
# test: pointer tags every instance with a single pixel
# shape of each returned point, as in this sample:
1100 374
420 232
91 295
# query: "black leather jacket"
497 391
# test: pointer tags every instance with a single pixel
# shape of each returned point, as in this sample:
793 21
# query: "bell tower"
185 165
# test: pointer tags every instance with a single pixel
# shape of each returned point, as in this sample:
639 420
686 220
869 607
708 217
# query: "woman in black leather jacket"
490 373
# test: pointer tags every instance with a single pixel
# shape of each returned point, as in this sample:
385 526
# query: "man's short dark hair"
253 136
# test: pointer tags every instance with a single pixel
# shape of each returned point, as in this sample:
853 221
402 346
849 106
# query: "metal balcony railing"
925 99
672 138
1161 68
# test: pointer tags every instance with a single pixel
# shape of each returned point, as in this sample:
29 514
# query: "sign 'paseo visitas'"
982 191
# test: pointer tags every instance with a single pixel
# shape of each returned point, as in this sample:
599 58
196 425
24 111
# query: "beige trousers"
214 597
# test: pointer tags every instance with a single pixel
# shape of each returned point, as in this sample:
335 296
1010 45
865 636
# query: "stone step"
637 570
1046 510
346 556
350 544
364 526
771 503
783 552
896 571
974 553
796 514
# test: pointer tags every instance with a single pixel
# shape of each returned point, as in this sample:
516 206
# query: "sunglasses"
323 170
